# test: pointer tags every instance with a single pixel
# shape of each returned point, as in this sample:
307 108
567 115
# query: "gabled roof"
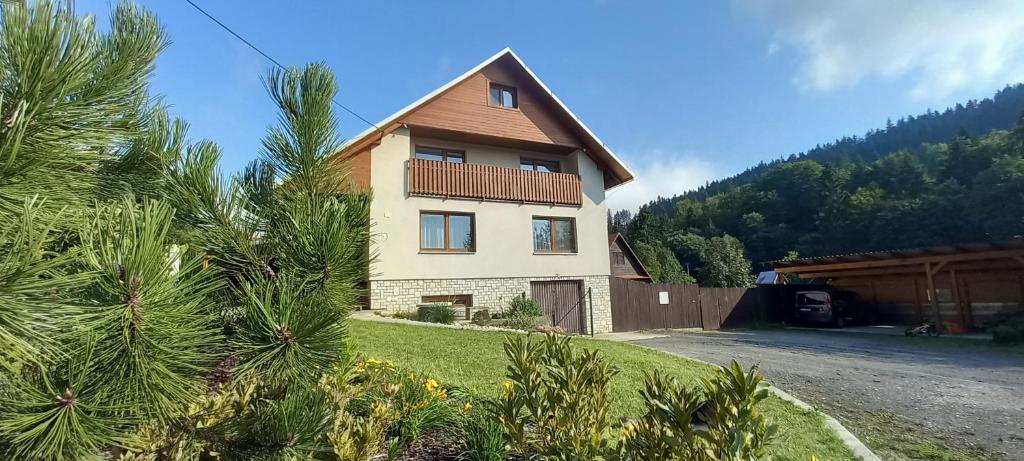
612 237
619 172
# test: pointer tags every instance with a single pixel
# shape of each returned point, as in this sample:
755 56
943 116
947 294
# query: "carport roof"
977 251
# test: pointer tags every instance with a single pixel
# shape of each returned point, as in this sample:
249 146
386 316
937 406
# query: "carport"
963 287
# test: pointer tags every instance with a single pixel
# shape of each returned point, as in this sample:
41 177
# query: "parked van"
824 307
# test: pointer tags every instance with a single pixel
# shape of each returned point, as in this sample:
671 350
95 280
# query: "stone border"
851 441
374 315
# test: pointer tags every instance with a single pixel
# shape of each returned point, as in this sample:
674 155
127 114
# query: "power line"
269 58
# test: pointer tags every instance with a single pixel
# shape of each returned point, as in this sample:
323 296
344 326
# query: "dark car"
814 307
837 308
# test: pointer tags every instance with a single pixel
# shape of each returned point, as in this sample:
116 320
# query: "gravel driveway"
970 395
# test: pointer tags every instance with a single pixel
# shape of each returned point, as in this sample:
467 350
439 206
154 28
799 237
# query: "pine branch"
156 326
68 95
286 336
58 415
33 285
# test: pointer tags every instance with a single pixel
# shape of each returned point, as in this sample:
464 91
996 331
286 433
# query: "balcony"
433 178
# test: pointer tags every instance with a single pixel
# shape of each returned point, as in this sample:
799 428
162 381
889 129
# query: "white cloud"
658 173
942 46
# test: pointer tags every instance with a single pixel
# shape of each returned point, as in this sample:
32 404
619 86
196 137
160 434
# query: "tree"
689 249
996 204
619 222
661 263
724 264
141 275
646 226
296 254
99 333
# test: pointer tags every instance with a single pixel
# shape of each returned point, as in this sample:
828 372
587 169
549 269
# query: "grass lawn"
475 360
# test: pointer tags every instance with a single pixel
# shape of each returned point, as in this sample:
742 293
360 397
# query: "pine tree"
135 279
296 254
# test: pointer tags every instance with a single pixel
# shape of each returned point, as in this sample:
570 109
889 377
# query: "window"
539 165
554 235
618 258
456 300
503 96
447 232
441 155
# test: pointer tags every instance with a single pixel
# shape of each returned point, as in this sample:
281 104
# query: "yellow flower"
467 407
431 384
509 386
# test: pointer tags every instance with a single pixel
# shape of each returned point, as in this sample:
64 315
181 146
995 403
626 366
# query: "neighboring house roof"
617 172
642 271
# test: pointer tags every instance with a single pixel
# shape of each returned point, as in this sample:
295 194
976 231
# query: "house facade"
486 189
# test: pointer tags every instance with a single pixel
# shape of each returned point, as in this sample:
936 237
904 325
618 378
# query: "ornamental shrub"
555 401
436 313
716 421
523 307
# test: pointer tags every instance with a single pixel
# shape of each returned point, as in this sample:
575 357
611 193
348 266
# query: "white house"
487 188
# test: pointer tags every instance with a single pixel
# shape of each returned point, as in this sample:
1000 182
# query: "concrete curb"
851 441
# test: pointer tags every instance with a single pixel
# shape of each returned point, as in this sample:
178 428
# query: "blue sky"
683 91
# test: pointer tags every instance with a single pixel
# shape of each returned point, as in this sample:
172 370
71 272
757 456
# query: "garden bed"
475 361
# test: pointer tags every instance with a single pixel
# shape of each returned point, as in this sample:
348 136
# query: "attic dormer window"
503 96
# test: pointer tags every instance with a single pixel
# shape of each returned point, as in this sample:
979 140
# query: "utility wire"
269 58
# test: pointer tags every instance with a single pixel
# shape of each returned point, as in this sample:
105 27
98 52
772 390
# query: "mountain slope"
939 178
999 112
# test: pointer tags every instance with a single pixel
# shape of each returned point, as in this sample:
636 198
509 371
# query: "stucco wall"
504 245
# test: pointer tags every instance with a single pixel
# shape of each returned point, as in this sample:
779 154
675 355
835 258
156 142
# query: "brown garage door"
563 303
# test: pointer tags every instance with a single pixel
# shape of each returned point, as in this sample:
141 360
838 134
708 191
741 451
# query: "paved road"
972 395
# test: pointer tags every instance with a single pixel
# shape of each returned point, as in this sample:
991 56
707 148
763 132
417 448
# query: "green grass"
475 361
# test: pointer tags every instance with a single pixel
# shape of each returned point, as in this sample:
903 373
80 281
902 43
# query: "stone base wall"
493 293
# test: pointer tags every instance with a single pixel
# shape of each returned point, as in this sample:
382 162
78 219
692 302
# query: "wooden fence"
650 306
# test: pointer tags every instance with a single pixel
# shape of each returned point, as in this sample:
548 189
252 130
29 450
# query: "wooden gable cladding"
358 164
359 169
624 262
464 108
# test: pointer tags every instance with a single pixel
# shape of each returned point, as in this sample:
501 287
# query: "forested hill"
938 178
999 112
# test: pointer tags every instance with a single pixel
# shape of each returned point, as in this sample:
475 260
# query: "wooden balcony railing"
485 182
